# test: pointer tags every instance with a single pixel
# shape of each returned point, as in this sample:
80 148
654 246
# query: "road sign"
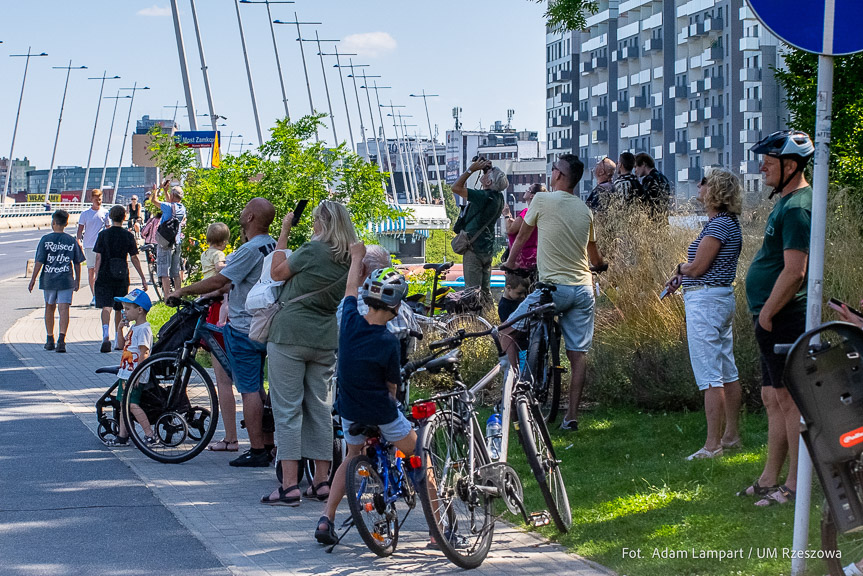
806 24
196 139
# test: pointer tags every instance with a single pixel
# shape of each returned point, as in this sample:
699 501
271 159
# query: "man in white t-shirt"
90 223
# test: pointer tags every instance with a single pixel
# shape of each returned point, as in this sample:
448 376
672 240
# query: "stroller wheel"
108 429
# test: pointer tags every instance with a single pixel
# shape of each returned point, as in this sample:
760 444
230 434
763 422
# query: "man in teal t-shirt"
776 294
477 220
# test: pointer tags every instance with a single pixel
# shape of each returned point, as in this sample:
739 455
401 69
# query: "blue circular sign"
808 25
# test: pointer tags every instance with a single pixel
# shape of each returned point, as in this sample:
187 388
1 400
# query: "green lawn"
630 487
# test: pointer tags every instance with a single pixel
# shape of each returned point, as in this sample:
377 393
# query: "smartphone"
664 293
298 211
837 305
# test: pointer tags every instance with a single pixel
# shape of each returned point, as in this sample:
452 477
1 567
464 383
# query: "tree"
800 82
568 15
287 168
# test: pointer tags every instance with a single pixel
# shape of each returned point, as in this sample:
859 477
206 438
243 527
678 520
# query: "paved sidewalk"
219 504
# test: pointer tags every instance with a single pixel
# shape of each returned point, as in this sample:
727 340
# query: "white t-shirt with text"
137 336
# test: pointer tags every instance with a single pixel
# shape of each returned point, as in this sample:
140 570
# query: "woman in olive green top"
301 347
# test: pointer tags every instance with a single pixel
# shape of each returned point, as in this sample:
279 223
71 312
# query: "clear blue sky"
483 55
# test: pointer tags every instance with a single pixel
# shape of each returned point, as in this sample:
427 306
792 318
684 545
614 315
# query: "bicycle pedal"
538 519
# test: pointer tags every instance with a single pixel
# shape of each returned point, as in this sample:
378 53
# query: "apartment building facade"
688 81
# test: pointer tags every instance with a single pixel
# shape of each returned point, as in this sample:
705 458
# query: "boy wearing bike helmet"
369 372
776 294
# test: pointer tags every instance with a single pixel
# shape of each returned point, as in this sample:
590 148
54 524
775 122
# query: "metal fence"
21 209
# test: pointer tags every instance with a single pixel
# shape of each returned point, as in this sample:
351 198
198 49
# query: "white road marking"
19 241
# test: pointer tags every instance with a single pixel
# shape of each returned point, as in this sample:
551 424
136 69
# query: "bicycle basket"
177 330
467 300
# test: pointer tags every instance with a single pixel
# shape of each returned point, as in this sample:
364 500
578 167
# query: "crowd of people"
349 296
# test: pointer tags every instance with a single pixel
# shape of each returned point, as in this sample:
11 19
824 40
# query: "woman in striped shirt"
706 279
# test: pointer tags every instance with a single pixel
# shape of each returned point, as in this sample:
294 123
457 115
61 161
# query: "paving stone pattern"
220 504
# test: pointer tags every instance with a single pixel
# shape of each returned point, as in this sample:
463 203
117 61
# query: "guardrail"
20 209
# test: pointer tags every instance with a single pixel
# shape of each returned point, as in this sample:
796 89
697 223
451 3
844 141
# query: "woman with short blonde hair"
707 277
301 348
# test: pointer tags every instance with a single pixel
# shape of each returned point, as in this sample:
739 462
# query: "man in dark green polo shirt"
776 294
477 220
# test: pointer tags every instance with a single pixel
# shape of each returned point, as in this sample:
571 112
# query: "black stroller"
172 335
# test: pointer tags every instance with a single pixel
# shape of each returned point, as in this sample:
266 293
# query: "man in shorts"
58 258
168 260
776 294
90 223
565 250
242 271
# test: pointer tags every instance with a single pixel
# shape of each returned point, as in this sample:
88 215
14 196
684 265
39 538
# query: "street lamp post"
303 56
68 70
275 46
95 124
175 107
28 55
134 89
425 98
344 94
231 138
318 41
116 100
405 173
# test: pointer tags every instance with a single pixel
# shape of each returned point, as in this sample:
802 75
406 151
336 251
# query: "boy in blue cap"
139 341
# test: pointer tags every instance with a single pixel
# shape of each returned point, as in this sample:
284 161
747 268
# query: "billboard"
196 139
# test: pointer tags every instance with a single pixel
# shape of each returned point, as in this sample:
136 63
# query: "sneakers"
61 346
49 343
106 346
571 425
117 442
250 460
93 302
151 440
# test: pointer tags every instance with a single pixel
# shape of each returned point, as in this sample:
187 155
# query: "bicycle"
178 392
454 453
150 252
822 374
542 358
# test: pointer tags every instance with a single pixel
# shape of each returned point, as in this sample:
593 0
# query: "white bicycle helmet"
384 285
786 145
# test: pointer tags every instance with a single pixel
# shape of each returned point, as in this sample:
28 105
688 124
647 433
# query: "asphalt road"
16 247
66 509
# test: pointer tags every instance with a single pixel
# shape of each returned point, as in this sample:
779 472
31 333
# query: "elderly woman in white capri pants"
706 279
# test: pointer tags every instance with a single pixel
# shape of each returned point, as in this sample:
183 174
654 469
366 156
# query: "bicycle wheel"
460 517
154 278
181 430
537 446
543 361
850 546
376 521
480 354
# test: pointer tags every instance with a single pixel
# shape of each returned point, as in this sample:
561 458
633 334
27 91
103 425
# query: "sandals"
704 453
283 499
782 495
312 492
224 445
756 490
327 537
736 445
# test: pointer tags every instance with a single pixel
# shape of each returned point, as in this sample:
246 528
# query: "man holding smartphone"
776 293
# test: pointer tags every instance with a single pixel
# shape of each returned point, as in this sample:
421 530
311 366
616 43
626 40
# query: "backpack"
166 233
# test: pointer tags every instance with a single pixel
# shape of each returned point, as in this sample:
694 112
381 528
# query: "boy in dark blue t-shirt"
369 372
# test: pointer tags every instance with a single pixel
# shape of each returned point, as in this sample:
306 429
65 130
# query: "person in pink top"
527 258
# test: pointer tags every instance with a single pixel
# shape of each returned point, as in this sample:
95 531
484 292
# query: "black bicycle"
176 392
150 253
824 375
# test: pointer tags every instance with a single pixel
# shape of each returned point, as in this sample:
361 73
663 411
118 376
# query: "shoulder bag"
262 319
166 233
462 242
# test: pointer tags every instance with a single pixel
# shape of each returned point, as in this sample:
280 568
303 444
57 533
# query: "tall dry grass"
640 354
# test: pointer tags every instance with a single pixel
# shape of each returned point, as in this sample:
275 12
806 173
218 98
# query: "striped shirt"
725 228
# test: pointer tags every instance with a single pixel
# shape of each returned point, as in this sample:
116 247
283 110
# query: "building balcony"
565 143
681 147
627 53
710 25
598 111
750 74
622 105
599 62
656 152
696 144
750 136
583 141
750 167
598 136
678 91
714 53
714 112
681 120
652 45
750 105
637 102
564 120
657 125
691 174
716 142
560 76
750 43
696 115
585 67
714 83
582 115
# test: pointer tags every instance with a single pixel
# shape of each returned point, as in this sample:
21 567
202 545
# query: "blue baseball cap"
138 297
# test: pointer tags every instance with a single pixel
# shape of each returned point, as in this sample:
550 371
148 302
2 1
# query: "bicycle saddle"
367 430
438 268
108 370
444 362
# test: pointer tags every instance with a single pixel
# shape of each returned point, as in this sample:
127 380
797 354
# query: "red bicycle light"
424 410
415 461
